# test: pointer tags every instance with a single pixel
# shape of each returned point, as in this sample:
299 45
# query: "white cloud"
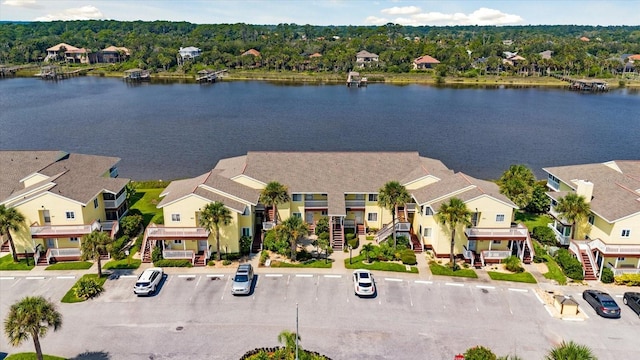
401 10
374 20
415 17
22 3
87 12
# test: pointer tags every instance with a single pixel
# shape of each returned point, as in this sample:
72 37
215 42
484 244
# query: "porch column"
184 245
490 242
59 247
80 242
616 264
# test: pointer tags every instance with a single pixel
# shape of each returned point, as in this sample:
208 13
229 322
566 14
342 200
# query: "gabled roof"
116 49
189 49
366 54
66 46
253 52
426 59
17 165
314 55
616 186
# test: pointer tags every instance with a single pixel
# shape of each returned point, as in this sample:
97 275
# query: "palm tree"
453 214
390 196
570 351
517 184
10 220
288 339
272 195
212 216
367 249
94 245
573 208
31 317
293 229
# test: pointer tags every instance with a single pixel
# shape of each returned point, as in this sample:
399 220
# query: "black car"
602 303
632 299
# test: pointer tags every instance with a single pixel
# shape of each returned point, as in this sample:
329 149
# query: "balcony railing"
514 233
623 270
315 203
614 249
114 204
562 239
354 203
179 254
161 233
62 252
493 255
54 231
268 225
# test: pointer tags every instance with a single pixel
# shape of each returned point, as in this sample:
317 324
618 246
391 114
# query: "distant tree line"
154 45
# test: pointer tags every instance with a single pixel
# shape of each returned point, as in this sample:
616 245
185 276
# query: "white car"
148 281
363 283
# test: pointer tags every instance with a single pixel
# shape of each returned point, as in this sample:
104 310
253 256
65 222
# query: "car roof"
146 275
244 266
359 271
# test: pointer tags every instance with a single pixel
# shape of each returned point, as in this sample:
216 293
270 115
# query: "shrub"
350 236
173 263
130 224
116 249
479 353
86 288
245 245
264 255
607 276
156 254
539 259
232 256
402 241
354 243
512 263
280 246
322 226
628 279
226 262
408 257
370 237
569 264
544 235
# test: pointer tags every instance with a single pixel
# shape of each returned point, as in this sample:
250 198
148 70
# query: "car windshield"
241 278
364 284
607 303
364 275
142 284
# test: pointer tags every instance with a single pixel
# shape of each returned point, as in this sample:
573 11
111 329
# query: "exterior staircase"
337 236
526 258
42 260
200 259
415 243
146 251
256 245
5 247
589 272
360 229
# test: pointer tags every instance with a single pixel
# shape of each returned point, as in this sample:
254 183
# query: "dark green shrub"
131 224
87 288
232 256
156 254
569 264
350 235
408 257
512 263
607 276
116 248
539 259
272 243
173 263
303 255
245 245
401 241
226 262
479 353
264 255
322 226
354 243
544 235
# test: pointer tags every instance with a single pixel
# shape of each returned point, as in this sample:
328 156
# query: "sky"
333 12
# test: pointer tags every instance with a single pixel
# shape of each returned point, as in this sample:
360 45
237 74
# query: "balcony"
616 250
354 203
513 233
62 231
114 204
625 270
562 239
268 225
179 254
320 204
177 233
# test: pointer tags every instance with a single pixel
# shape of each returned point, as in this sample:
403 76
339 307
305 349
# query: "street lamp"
350 248
297 358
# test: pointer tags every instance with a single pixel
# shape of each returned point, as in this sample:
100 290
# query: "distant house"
253 52
507 42
585 39
425 62
512 58
315 55
634 58
113 54
366 58
546 54
189 52
70 54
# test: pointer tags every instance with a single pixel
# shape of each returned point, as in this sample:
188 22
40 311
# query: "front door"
309 217
472 245
359 215
202 245
51 243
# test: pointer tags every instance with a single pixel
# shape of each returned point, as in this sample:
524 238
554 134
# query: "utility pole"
297 358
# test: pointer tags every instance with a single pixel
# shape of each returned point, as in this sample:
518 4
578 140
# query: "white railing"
60 230
190 232
354 203
493 255
179 254
36 255
315 203
497 232
208 252
562 239
577 247
622 271
468 255
268 225
62 252
383 233
113 204
614 249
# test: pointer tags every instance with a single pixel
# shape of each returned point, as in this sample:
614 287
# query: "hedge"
569 264
628 279
173 263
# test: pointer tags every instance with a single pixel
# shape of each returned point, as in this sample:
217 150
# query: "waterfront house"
62 197
365 58
425 62
189 52
252 52
70 54
342 186
113 54
546 55
613 191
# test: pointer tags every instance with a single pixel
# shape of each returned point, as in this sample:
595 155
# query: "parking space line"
454 284
186 276
65 277
618 296
538 297
333 276
582 311
304 275
6 278
485 287
393 279
546 307
519 290
127 276
273 275
35 278
423 282
198 282
215 275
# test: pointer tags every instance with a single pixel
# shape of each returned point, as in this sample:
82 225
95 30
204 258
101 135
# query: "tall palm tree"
517 184
293 229
570 351
390 196
272 195
94 245
452 215
288 339
10 220
212 216
573 208
31 317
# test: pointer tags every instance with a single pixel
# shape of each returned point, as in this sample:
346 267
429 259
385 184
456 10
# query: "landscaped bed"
70 296
360 262
32 356
523 277
321 264
127 263
70 265
437 269
6 263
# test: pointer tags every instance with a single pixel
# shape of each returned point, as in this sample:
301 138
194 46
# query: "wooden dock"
591 85
54 72
137 75
355 80
9 71
210 76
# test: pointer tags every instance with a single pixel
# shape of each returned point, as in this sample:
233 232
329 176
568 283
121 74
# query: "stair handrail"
36 255
384 233
48 256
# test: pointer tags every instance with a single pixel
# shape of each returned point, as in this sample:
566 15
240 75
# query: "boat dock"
210 76
137 75
53 72
9 71
593 85
355 80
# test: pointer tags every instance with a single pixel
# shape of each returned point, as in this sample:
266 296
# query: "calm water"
167 131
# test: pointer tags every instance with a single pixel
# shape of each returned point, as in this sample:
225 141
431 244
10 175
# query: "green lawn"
555 273
146 200
523 277
32 356
128 263
70 265
70 296
6 263
437 269
357 262
531 221
313 264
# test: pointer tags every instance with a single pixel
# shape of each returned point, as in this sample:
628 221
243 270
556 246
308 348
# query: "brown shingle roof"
426 59
16 165
253 52
66 46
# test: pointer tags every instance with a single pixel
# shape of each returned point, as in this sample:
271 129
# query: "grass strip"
320 264
70 265
127 263
70 297
6 263
145 200
554 273
437 269
357 262
531 221
32 356
523 277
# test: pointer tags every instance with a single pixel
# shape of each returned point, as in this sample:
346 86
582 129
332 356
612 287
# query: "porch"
492 245
63 231
190 243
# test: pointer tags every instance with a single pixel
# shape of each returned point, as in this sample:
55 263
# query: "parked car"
363 283
602 303
632 300
242 280
148 281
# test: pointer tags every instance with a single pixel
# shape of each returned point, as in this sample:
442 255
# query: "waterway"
176 130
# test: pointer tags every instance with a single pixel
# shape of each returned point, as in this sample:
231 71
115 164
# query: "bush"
86 288
264 255
130 224
539 259
569 264
322 226
156 254
512 263
408 257
479 353
350 235
245 245
607 276
628 279
354 243
226 262
544 235
402 241
280 246
116 249
173 263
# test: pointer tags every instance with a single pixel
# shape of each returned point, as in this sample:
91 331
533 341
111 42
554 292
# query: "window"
246 231
427 232
324 213
175 217
592 219
95 203
296 197
428 210
73 239
70 215
372 217
500 218
298 215
373 197
621 259
626 233
496 242
177 241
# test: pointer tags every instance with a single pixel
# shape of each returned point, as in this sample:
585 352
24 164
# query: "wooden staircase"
42 260
337 236
360 229
256 245
526 258
415 243
200 260
146 251
5 247
589 272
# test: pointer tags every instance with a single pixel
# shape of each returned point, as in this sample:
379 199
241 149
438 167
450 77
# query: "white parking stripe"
186 276
215 275
127 276
518 290
539 298
35 278
6 278
273 275
304 275
392 279
423 282
454 284
618 296
333 276
485 287
65 277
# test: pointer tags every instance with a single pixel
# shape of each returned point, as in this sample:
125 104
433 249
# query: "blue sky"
333 12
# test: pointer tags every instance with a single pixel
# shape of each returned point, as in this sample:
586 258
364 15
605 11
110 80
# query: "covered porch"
53 243
492 245
620 258
190 243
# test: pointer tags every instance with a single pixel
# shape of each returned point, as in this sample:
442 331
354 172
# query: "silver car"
242 280
363 283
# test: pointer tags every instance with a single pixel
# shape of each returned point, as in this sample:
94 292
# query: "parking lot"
193 315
